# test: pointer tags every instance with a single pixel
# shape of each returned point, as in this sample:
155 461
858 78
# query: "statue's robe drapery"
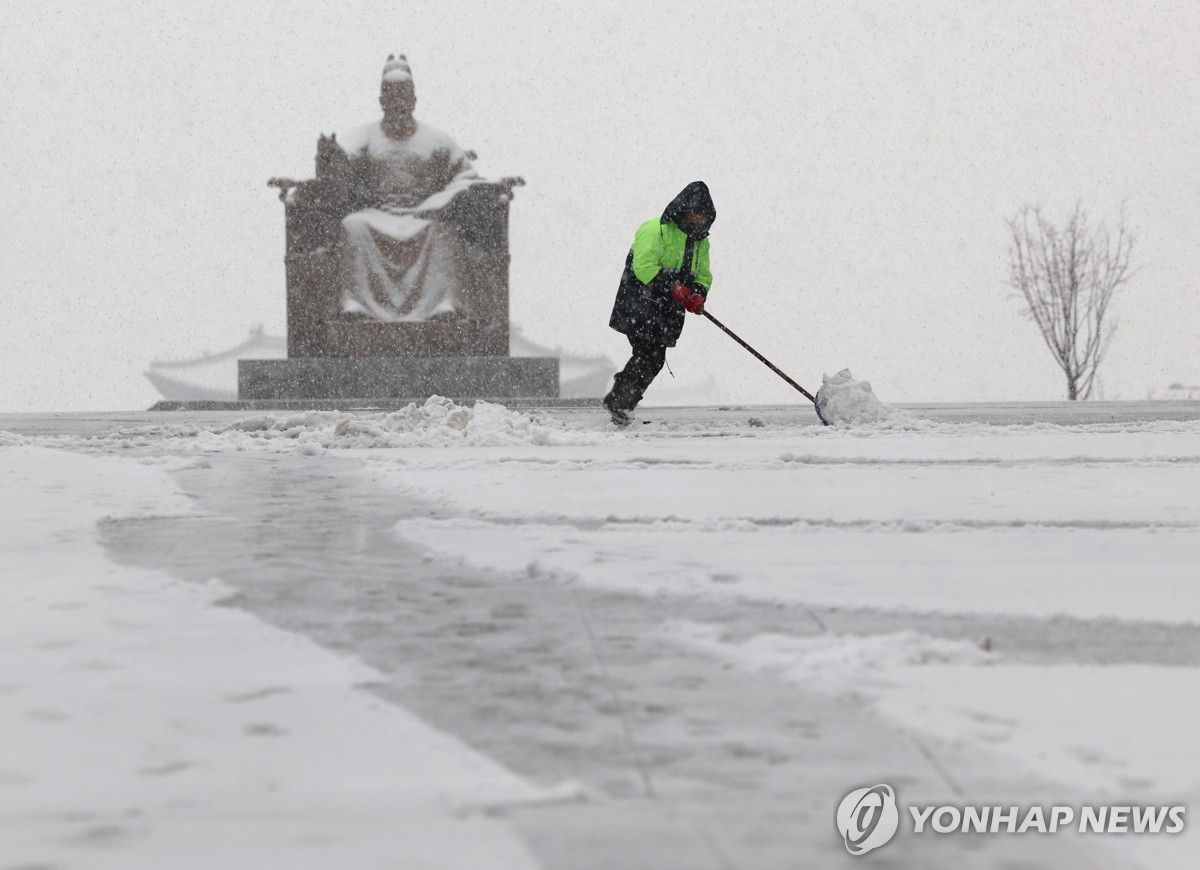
398 261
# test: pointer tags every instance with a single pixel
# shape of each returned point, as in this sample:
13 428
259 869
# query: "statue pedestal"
398 377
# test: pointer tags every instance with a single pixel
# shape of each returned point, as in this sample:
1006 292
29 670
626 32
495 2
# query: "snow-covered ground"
1019 601
144 726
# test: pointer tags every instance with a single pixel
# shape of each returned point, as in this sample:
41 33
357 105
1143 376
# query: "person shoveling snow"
666 273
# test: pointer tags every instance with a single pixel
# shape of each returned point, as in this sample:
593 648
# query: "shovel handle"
760 357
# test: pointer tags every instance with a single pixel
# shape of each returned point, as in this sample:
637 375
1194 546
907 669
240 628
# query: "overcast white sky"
862 156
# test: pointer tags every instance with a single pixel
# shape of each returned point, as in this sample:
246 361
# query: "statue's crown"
396 69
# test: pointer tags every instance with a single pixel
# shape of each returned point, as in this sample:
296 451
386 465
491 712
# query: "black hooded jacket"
665 250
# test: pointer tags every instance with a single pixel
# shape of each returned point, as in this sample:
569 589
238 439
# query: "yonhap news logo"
869 817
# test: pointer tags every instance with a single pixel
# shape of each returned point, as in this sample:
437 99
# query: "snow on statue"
399 262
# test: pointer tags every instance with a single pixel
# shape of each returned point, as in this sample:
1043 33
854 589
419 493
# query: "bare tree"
1068 277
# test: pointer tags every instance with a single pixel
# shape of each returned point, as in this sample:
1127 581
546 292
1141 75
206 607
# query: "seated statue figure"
410 231
399 262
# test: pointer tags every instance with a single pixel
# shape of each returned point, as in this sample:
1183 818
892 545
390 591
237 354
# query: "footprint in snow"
257 694
264 729
166 769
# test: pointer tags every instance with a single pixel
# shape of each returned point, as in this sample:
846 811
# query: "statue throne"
316 325
397 272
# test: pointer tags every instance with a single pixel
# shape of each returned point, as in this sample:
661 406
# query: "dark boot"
619 417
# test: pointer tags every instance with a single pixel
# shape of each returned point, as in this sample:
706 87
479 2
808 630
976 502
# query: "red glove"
683 294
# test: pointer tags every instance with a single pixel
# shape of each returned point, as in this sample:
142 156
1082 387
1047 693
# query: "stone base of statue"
398 377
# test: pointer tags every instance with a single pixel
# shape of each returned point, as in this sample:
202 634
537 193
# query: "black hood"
695 197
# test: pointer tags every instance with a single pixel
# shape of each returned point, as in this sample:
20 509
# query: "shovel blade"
817 408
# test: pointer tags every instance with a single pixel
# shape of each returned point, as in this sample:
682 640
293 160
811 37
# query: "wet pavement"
686 762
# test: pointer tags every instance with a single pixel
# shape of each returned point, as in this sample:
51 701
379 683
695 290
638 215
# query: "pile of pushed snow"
843 400
437 422
830 661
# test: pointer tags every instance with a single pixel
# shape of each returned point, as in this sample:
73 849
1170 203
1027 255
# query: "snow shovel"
770 365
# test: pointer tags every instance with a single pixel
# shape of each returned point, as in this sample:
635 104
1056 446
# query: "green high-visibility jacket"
644 309
658 245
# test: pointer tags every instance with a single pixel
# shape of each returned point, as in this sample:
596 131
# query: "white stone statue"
399 261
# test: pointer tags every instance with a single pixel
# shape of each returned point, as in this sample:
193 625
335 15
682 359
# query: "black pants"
631 383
